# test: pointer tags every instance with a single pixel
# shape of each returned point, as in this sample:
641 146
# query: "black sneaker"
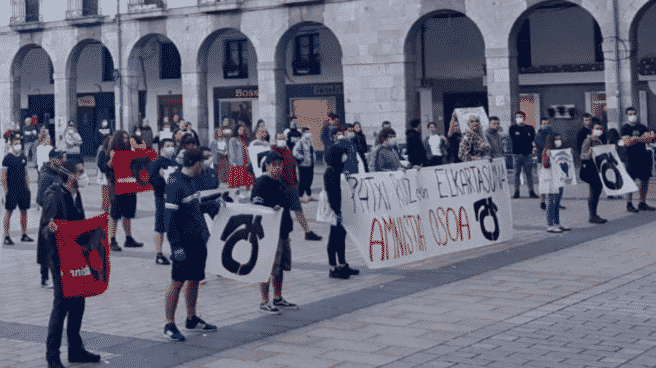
338 273
562 207
630 208
8 241
350 270
161 259
113 245
131 243
46 285
173 333
642 206
533 195
54 362
26 238
516 195
269 309
195 323
543 206
597 220
310 235
82 356
283 304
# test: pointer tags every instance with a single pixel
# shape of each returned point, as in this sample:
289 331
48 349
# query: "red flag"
83 256
130 173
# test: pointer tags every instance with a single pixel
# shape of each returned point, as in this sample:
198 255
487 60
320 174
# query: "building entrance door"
169 106
237 109
313 112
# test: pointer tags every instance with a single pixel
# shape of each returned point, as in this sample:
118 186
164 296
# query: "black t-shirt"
15 166
293 136
637 150
270 192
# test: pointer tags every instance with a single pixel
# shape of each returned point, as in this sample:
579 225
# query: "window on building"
170 62
31 10
306 55
107 66
524 45
159 3
90 7
235 65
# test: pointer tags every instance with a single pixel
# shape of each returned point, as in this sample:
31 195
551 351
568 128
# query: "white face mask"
558 143
83 181
344 158
281 143
168 152
104 124
308 135
17 147
138 132
519 120
391 142
227 132
71 129
633 118
350 135
597 132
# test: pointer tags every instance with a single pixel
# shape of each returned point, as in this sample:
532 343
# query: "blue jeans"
523 161
553 208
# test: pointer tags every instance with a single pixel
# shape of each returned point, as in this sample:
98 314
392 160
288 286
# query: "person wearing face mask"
415 148
239 177
104 131
146 133
304 154
290 180
293 135
454 136
328 131
473 146
547 186
360 142
223 165
165 133
540 139
73 143
63 201
589 172
188 234
523 137
385 157
208 179
30 133
16 185
161 169
639 160
344 139
494 137
43 149
435 146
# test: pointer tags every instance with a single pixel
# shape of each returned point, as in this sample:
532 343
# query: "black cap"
273 156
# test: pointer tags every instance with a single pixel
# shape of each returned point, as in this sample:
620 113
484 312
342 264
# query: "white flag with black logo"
614 177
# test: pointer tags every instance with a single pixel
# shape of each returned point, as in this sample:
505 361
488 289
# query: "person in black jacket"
337 237
415 147
160 171
360 142
294 135
63 202
523 139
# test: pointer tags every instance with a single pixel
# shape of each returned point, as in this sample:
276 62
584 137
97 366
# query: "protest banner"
563 169
130 170
83 256
256 156
463 115
611 170
395 218
243 242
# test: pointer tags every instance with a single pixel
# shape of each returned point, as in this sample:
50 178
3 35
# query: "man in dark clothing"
636 136
63 202
16 184
49 175
328 131
188 235
337 237
30 138
415 147
344 139
160 171
294 135
145 132
269 191
523 137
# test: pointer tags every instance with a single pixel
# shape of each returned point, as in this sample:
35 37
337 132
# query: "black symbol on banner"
606 162
92 241
483 208
251 232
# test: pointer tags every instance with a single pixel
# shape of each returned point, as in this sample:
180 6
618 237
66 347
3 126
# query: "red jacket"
288 176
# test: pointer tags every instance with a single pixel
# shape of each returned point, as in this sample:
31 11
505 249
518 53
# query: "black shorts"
192 268
160 227
294 199
123 206
640 168
283 260
17 198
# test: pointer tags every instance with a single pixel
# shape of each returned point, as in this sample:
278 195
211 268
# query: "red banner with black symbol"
83 256
130 170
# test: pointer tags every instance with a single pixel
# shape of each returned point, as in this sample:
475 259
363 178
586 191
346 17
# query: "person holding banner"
269 191
548 185
540 141
63 202
639 159
161 169
589 172
473 146
188 235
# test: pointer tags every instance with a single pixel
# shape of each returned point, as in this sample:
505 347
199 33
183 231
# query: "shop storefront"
237 103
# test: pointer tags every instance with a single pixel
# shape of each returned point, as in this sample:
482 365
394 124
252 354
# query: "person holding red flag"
63 202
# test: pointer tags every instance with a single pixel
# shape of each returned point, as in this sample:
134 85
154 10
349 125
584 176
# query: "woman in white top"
73 143
43 149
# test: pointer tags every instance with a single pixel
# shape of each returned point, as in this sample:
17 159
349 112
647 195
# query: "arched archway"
227 85
445 67
90 91
309 78
642 58
153 84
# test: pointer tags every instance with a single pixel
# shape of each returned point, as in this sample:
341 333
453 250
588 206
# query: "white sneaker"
554 229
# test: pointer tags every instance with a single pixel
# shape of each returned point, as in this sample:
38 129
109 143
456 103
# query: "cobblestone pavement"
577 299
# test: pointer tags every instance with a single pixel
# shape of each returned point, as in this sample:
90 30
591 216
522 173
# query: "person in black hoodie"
160 170
335 158
360 142
415 147
63 202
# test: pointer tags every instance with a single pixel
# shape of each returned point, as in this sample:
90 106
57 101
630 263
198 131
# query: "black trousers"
61 308
44 272
595 193
305 177
337 245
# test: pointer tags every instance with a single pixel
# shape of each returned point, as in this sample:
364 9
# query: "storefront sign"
330 89
86 101
236 92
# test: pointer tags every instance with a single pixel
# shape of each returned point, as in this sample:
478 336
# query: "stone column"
74 9
5 110
502 84
620 91
17 11
65 101
271 96
130 111
191 103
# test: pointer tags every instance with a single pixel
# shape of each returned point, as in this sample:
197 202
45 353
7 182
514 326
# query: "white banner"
611 170
243 242
562 167
463 115
253 151
395 218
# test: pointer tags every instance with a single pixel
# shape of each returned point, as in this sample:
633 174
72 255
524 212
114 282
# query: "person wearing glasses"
473 146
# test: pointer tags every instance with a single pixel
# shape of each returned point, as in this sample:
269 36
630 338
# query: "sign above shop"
236 92
327 89
86 101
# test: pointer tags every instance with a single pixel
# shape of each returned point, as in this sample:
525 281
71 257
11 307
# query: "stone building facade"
366 60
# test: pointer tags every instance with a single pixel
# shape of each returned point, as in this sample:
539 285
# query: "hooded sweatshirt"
331 177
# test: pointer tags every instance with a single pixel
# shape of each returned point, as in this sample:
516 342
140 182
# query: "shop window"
170 62
306 55
90 7
235 65
31 10
107 66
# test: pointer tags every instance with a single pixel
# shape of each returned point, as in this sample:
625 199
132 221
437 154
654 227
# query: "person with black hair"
453 140
73 141
16 185
63 202
160 171
293 135
589 172
385 156
186 143
523 139
337 237
188 235
636 137
101 162
238 159
328 131
548 187
540 139
304 155
344 138
415 148
435 146
360 142
494 137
